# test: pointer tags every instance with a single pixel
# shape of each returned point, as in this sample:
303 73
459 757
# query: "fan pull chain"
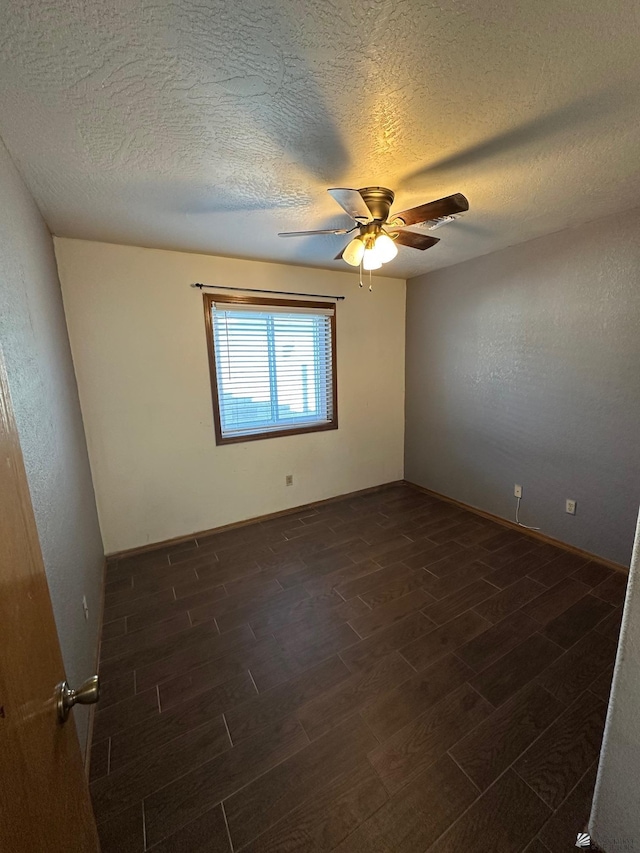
361 283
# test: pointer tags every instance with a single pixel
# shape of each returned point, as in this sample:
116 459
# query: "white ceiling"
210 126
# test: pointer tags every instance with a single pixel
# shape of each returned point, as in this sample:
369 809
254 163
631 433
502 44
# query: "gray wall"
45 399
615 818
523 367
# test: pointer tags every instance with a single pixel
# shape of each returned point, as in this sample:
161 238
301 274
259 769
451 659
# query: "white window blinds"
274 367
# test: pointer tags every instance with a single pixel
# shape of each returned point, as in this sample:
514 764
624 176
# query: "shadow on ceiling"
539 129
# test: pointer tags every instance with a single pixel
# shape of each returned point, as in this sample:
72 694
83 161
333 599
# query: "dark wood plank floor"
383 673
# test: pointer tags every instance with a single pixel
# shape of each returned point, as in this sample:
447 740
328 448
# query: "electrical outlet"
517 491
288 480
570 507
85 607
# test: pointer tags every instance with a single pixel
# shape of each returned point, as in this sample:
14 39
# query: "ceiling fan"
378 231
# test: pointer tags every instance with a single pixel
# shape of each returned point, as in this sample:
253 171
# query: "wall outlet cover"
517 491
570 506
288 480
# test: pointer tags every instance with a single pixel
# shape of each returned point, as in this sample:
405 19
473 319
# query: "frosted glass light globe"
385 248
354 252
371 260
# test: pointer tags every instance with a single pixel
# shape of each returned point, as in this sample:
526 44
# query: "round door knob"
87 694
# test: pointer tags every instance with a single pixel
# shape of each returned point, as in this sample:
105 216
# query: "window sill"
276 433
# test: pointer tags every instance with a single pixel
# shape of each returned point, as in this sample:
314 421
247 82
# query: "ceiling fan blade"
432 210
306 233
416 241
352 202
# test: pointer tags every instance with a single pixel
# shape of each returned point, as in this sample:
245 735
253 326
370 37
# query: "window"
272 365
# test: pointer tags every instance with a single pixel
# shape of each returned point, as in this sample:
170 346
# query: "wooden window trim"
209 300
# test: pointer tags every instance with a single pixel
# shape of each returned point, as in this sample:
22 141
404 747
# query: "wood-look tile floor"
383 673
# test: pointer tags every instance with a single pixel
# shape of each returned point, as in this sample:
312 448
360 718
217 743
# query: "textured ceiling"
210 126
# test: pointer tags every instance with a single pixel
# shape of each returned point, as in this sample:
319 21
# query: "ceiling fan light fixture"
369 208
385 248
354 252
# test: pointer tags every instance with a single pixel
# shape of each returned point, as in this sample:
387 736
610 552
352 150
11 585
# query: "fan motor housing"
379 201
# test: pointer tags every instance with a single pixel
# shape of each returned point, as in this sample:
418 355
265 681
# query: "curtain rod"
277 292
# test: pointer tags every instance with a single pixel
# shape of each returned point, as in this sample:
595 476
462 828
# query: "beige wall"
45 400
139 349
